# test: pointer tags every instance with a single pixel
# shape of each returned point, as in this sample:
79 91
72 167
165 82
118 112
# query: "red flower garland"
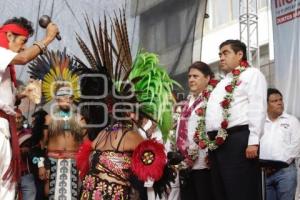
200 111
229 88
219 141
201 138
224 124
202 144
225 103
200 130
213 82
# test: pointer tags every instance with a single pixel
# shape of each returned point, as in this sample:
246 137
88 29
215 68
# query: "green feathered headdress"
153 88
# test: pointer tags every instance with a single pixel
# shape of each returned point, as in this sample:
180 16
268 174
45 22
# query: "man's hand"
42 173
207 161
51 32
252 151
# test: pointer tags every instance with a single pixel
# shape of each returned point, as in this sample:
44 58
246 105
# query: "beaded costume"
109 175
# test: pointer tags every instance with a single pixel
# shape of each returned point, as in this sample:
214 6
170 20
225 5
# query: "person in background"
174 193
235 116
149 130
195 179
280 142
38 150
27 184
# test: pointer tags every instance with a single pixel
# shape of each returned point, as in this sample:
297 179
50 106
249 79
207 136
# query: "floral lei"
200 136
194 151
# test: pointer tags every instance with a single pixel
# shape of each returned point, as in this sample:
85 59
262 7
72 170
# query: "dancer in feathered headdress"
136 89
65 133
55 69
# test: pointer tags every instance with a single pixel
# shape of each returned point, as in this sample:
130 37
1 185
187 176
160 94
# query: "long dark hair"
38 126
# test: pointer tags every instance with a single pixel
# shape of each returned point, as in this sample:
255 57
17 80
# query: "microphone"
44 21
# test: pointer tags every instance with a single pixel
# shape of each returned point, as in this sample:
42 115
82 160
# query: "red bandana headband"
14 28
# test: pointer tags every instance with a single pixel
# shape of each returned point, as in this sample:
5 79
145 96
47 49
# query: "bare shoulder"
134 135
94 142
133 139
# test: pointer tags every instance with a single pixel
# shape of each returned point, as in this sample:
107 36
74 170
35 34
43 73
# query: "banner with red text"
286 31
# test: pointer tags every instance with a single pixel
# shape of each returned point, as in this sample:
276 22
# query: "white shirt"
191 128
7 89
248 105
157 135
281 139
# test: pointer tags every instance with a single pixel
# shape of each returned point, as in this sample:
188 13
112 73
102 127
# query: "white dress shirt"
191 128
281 139
7 89
247 108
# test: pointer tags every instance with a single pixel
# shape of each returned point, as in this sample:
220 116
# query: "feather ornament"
55 68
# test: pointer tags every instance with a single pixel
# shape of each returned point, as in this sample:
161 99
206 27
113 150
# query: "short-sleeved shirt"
281 139
7 97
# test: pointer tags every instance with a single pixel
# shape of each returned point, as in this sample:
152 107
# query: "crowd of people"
230 139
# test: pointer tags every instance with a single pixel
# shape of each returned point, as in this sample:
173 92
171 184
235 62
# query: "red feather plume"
153 167
82 158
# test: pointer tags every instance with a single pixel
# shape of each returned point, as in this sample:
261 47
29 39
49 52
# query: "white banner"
286 31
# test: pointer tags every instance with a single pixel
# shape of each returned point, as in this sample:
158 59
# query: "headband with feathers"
55 69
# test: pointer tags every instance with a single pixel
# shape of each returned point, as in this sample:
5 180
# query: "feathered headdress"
145 77
97 83
153 88
143 81
55 69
